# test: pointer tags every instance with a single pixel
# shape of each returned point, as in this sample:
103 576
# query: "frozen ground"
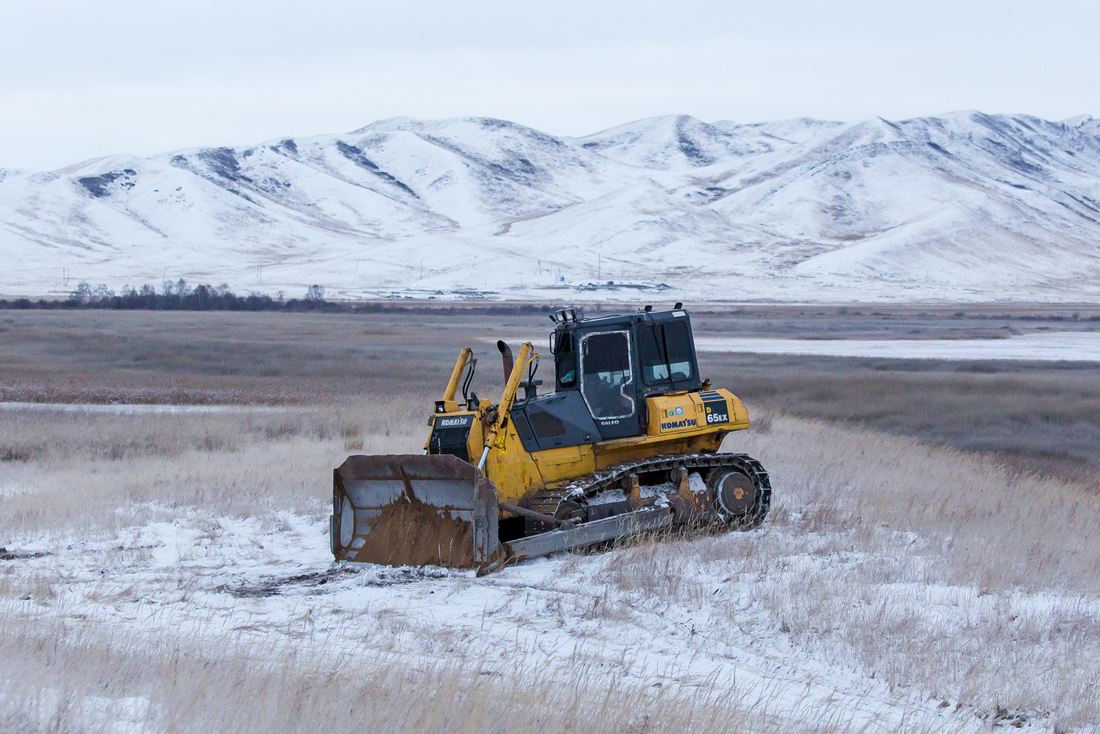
203 579
894 587
1067 346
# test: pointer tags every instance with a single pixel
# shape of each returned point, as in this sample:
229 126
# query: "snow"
125 715
965 207
203 578
1050 346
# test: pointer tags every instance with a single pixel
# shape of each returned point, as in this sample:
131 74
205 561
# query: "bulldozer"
627 442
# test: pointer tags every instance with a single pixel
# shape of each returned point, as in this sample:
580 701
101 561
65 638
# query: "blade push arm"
494 435
456 377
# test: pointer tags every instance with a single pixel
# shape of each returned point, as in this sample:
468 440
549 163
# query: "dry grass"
934 570
943 573
201 358
1039 416
74 471
1000 529
95 682
928 568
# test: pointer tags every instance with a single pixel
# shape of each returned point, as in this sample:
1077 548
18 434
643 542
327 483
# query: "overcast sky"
82 79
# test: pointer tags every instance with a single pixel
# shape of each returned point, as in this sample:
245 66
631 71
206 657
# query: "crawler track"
548 501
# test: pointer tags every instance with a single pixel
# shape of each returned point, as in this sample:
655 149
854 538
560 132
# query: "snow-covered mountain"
966 206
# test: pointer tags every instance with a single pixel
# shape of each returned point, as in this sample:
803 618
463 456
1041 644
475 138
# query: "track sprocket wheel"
736 497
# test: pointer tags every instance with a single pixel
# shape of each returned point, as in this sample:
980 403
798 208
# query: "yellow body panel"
516 472
687 413
512 469
682 423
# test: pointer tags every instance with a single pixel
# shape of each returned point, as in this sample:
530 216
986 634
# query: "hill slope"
968 207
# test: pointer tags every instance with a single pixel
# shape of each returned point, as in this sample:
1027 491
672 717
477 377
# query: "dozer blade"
413 511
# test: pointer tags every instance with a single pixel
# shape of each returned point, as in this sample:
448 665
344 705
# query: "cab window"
665 351
605 364
565 360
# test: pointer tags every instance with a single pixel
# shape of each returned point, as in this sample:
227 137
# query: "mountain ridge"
963 206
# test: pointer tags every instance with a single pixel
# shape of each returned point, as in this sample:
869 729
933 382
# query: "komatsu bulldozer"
627 442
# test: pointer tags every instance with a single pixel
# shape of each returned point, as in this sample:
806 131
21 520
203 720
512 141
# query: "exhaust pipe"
506 354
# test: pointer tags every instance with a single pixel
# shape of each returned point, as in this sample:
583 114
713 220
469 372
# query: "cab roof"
567 317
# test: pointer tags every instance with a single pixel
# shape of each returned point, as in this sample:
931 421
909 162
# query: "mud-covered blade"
412 511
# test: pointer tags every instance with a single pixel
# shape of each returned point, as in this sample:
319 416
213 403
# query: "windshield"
665 351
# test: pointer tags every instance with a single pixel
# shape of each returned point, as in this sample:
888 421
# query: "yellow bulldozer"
627 442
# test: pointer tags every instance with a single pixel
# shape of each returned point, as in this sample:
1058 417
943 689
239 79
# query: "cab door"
607 383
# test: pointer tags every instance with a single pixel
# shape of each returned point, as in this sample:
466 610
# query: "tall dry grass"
1039 416
72 471
993 528
195 357
1026 412
91 680
941 573
928 568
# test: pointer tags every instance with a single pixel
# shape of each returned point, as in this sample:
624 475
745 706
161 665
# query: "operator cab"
604 369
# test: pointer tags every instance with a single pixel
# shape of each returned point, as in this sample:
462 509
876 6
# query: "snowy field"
182 581
1067 346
